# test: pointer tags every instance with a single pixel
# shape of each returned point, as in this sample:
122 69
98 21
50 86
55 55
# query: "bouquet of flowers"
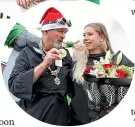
111 69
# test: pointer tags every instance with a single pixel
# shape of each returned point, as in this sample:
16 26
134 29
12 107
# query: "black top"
79 104
94 57
43 99
105 96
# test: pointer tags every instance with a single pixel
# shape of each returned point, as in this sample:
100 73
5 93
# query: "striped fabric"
4 16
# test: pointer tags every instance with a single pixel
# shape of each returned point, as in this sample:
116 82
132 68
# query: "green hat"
69 44
14 33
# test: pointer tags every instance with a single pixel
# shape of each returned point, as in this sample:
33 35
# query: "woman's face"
92 39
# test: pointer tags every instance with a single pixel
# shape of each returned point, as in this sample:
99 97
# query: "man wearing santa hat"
41 75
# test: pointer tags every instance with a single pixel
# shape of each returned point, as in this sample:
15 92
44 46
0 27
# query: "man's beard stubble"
57 44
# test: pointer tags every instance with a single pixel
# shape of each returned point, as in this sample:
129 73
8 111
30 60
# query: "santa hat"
53 19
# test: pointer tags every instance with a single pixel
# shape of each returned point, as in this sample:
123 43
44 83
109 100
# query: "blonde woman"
92 99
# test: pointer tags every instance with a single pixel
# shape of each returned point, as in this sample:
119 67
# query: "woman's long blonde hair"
80 59
80 53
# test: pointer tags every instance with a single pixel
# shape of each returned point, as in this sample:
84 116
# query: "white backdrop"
116 32
80 14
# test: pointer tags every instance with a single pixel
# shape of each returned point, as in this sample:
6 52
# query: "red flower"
87 70
121 73
106 67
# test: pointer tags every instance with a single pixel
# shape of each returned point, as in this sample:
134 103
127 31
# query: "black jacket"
43 99
84 110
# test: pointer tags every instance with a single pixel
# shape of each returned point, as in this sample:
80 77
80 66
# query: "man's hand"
53 54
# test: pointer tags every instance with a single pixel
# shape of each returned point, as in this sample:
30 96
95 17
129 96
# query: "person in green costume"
17 39
19 36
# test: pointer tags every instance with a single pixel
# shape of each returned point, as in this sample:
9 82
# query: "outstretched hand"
26 3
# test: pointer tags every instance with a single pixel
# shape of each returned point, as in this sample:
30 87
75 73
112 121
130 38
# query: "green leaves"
69 100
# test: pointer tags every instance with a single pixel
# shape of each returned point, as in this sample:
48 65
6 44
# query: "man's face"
55 37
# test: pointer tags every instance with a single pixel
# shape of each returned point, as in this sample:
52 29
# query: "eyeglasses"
61 21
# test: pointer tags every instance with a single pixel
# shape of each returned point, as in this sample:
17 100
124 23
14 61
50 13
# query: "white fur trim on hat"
53 26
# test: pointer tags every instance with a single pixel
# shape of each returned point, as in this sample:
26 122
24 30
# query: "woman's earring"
100 42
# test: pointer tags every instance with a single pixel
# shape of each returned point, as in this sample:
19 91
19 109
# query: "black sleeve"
20 82
70 84
125 61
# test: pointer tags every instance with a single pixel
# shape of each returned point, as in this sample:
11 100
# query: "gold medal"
63 53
